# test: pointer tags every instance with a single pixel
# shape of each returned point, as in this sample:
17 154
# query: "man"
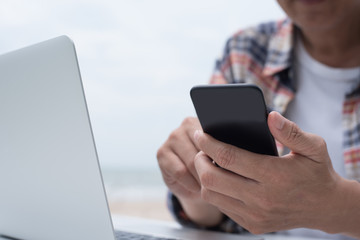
308 67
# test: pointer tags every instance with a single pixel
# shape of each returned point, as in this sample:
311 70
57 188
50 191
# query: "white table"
173 229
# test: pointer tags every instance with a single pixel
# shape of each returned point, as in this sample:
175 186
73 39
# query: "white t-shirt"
317 108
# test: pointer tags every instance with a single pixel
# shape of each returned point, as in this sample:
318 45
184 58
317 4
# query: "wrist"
344 214
201 212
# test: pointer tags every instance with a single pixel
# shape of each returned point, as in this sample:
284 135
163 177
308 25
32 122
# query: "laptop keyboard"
120 235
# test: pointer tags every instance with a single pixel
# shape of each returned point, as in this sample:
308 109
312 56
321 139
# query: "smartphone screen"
235 114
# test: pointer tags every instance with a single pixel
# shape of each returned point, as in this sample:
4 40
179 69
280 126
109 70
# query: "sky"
138 60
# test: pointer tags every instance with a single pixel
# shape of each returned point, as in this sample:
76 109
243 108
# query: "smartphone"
235 114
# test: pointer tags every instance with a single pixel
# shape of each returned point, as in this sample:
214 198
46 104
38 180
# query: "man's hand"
266 193
176 161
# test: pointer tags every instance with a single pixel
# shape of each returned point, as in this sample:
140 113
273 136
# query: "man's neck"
336 47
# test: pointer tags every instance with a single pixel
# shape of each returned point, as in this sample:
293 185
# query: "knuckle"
199 156
174 136
207 179
188 121
162 159
205 194
225 156
168 179
160 154
179 172
321 144
294 133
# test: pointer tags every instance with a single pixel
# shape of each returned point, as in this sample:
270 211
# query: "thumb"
298 141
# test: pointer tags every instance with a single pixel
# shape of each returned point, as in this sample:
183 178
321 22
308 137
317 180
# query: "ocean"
134 185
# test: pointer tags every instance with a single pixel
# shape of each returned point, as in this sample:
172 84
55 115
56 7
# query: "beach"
151 210
136 192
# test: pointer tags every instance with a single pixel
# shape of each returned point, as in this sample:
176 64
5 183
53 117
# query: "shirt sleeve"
226 224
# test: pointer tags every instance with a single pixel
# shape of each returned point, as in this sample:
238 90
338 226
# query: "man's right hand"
176 161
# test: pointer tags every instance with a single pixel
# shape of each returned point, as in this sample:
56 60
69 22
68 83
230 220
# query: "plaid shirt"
264 56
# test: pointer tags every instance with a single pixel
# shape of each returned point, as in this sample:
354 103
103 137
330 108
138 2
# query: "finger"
186 152
256 223
192 129
174 170
237 160
225 203
289 134
222 181
191 125
180 191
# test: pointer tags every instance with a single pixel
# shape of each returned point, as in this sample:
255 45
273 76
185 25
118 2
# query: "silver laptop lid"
50 182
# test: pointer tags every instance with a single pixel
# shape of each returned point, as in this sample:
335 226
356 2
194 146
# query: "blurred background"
138 61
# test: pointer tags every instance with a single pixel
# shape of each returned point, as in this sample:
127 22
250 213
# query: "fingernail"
280 121
197 135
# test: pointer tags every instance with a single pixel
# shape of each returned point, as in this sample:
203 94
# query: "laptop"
51 185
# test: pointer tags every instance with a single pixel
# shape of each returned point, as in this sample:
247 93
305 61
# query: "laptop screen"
50 182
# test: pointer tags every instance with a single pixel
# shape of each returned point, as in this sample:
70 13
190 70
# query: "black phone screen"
235 114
